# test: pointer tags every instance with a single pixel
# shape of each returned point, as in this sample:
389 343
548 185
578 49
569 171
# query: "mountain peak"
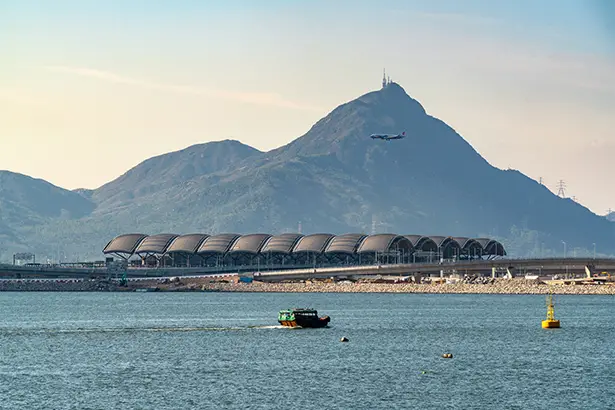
162 171
347 128
393 97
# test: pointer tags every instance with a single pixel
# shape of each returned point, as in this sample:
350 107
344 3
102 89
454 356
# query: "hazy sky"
89 89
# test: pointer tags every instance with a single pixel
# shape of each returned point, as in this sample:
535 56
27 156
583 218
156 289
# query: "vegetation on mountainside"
332 179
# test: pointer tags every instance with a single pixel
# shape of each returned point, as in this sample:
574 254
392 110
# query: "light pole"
565 258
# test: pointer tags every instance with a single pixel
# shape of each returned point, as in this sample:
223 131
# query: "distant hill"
27 204
25 200
333 179
611 217
173 169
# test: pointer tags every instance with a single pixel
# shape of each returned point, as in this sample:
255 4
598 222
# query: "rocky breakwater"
498 286
59 285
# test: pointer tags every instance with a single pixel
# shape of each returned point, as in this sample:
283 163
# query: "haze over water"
225 350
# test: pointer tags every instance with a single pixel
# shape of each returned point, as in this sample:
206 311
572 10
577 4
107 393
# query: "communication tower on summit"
386 80
561 189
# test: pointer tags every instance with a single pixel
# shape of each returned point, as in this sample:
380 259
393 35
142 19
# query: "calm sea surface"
225 350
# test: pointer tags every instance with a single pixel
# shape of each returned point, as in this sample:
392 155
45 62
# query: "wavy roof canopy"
491 247
218 243
250 243
283 243
156 244
347 243
422 243
124 243
468 244
385 242
315 243
189 243
291 243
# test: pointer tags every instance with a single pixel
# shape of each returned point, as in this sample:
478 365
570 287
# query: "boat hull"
306 322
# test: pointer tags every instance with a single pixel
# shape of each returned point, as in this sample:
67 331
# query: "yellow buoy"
550 322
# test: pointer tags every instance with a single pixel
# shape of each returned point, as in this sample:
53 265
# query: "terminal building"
288 250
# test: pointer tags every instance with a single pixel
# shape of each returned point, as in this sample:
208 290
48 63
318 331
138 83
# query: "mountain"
26 201
333 179
611 216
165 171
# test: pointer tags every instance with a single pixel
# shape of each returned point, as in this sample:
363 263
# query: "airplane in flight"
388 137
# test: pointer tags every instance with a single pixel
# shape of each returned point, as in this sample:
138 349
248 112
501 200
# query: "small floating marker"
550 322
447 355
344 339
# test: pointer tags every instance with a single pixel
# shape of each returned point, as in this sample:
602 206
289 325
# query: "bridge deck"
557 265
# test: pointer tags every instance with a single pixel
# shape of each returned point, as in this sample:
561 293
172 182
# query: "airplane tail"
403 133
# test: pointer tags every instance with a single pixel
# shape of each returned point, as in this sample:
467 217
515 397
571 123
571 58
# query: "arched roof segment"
462 241
384 242
189 243
468 244
492 247
156 244
315 243
126 243
450 242
347 243
422 243
283 243
439 240
218 243
251 243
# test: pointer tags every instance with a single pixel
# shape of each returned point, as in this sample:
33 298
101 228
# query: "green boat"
301 317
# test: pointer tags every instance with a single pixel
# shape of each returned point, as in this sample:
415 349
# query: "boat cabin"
291 314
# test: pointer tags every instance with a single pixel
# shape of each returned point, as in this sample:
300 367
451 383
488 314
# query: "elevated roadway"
515 267
275 273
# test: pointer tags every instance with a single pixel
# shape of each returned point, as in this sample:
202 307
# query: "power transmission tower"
561 189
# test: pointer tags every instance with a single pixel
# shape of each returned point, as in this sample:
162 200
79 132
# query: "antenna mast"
384 77
561 189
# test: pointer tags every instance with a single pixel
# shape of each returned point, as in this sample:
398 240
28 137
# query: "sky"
89 89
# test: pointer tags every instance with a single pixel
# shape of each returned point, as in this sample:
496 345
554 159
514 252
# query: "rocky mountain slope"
333 179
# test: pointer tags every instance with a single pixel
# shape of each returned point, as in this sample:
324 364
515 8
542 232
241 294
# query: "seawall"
499 286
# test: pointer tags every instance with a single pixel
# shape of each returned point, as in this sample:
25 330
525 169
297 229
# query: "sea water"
225 350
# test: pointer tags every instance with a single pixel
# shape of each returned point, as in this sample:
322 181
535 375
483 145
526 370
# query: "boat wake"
135 329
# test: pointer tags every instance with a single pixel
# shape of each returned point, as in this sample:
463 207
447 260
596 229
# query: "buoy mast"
550 322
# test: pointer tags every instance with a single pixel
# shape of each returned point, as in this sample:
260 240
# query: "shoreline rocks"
517 286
